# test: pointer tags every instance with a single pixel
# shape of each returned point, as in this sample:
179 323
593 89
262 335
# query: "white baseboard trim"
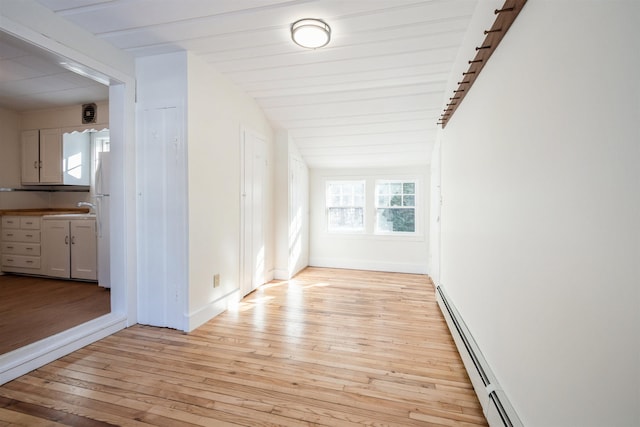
353 264
211 310
281 274
33 356
494 401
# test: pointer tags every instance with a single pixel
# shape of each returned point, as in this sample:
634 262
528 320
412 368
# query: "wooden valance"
505 17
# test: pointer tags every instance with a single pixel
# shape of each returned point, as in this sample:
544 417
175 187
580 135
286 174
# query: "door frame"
245 286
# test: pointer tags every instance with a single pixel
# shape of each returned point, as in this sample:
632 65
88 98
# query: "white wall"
217 111
540 232
368 252
68 118
9 149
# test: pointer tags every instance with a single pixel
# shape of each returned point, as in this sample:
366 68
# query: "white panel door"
298 216
254 167
162 221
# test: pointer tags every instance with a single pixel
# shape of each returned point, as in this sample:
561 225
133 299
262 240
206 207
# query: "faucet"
87 204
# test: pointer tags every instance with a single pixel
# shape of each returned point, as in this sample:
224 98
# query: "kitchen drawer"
10 222
12 248
26 236
21 261
30 223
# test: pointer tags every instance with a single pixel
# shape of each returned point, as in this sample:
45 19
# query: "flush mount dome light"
311 33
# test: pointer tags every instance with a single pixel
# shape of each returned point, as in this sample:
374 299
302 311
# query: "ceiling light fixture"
311 33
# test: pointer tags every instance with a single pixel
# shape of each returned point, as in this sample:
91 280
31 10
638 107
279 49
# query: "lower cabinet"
69 249
20 245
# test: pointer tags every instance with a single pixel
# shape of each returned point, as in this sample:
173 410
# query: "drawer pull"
29 261
29 235
10 248
10 234
29 249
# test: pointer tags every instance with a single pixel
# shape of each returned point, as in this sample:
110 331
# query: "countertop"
39 212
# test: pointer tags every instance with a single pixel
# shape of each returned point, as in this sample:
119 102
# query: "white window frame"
329 205
416 205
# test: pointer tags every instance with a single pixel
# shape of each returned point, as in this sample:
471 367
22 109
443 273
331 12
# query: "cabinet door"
51 156
30 162
55 248
84 254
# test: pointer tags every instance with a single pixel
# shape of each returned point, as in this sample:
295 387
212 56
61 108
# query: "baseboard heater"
495 405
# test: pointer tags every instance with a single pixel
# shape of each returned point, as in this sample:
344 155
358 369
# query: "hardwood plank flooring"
329 348
33 308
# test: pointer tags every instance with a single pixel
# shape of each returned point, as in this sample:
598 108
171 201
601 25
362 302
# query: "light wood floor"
332 347
33 308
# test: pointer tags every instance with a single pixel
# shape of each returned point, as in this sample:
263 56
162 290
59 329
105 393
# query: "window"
395 207
345 206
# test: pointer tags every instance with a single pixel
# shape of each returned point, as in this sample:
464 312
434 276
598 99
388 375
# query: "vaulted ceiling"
371 98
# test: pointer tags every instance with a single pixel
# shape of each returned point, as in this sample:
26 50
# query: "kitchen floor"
33 308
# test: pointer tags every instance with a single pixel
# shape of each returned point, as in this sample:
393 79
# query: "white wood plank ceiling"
371 98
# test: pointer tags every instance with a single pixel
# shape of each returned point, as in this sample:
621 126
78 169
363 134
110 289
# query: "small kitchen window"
345 203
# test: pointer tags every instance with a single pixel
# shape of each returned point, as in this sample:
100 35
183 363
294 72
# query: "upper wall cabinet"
48 159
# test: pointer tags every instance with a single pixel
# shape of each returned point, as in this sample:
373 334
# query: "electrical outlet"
216 280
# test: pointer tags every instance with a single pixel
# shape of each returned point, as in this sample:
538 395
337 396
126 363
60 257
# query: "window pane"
396 201
396 188
409 201
396 220
334 189
345 202
409 188
383 201
346 219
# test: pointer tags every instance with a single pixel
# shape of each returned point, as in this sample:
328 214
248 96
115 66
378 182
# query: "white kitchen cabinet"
20 244
84 249
42 157
50 158
70 248
30 165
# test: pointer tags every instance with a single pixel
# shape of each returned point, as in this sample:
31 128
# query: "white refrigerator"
102 195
